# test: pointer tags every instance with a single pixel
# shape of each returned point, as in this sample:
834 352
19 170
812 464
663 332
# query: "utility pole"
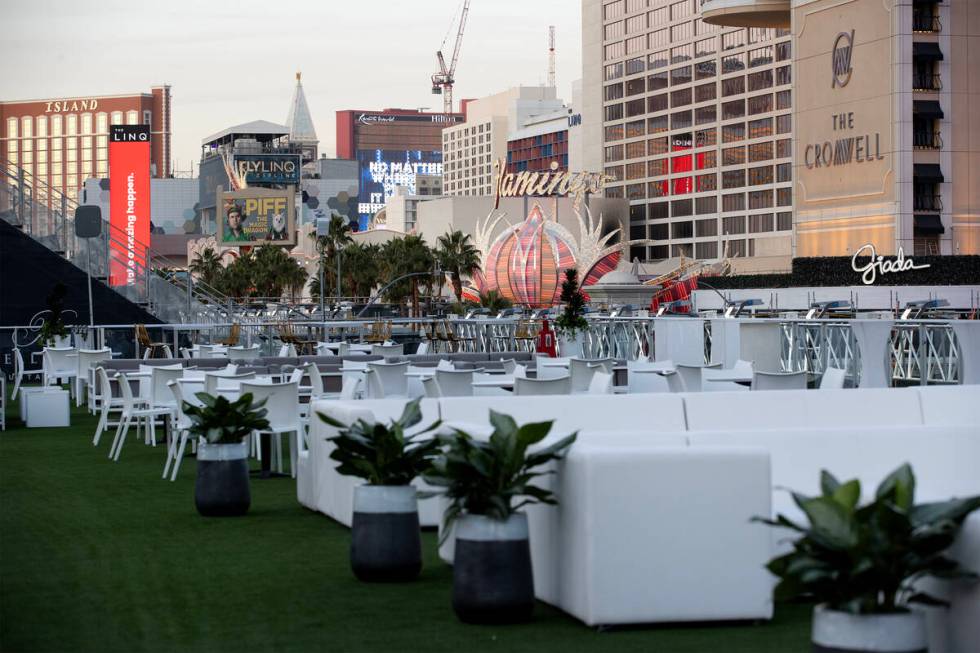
551 56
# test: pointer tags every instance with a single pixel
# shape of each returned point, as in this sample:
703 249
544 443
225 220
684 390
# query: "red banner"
129 202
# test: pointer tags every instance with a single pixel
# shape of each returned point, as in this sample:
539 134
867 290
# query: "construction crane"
551 56
443 79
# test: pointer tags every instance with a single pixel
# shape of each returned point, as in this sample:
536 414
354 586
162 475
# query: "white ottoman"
42 407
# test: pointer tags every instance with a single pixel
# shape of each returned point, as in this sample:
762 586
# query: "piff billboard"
129 202
381 170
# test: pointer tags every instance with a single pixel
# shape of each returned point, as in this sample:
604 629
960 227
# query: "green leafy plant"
494 301
572 318
54 324
220 421
864 560
384 455
487 477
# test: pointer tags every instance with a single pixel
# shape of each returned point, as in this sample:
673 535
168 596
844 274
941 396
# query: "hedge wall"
837 271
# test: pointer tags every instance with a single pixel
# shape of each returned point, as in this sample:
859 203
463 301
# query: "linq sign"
268 168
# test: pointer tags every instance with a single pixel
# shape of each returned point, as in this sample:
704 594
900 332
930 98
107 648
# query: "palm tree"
275 271
458 257
361 269
402 256
235 280
494 301
337 238
207 265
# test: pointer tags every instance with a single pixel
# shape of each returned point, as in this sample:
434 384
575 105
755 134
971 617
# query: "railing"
47 215
927 82
926 22
925 202
927 140
924 352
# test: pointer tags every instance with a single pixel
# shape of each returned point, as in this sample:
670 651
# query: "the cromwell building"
887 121
392 147
60 142
695 123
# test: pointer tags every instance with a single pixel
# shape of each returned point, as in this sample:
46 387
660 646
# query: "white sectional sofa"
658 486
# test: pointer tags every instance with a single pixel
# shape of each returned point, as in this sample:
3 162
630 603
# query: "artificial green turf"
103 556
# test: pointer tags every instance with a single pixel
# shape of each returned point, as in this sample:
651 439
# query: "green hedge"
837 271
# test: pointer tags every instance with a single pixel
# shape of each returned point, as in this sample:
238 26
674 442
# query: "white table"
731 378
499 381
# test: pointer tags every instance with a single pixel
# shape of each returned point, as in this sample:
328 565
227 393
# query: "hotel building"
887 121
469 149
695 123
58 143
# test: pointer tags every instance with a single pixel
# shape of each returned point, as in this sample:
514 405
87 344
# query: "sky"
232 62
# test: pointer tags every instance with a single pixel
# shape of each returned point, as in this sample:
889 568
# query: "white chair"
387 380
243 353
430 386
350 386
288 350
133 410
423 348
556 386
108 403
214 380
20 371
167 352
691 375
509 365
601 383
178 440
741 369
445 364
282 406
833 379
388 351
343 348
641 381
58 365
86 363
454 383
779 380
186 353
582 369
316 389
160 394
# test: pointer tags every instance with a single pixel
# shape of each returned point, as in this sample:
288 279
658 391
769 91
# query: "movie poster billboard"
381 170
129 202
257 216
258 169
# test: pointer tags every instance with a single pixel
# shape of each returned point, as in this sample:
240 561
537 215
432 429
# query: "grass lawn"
102 556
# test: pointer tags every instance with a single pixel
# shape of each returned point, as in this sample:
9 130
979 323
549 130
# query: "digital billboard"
256 216
381 170
129 202
268 168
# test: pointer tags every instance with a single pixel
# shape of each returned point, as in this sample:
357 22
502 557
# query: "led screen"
381 170
129 202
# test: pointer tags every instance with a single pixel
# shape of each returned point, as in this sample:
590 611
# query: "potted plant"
860 563
386 545
53 332
486 483
571 324
221 488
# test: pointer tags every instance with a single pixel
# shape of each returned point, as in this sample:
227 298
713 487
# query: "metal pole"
338 275
88 273
322 314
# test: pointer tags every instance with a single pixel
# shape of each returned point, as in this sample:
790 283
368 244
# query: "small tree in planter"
53 332
221 488
859 564
571 323
487 482
385 541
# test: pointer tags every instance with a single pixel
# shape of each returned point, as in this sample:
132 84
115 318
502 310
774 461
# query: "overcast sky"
231 62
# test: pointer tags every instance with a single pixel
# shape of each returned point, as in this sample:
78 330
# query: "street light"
435 271
323 229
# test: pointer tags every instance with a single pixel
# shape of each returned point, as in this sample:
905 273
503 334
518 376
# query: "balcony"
927 140
926 23
927 202
926 82
746 13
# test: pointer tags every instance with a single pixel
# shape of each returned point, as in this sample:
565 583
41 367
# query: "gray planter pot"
842 632
221 488
571 347
492 580
386 544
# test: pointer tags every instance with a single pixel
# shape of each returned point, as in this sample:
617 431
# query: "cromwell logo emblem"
843 46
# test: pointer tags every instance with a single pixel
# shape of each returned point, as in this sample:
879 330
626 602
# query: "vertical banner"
129 202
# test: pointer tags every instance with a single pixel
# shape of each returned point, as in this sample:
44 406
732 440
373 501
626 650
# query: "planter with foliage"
386 544
53 332
571 325
486 483
860 563
221 488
